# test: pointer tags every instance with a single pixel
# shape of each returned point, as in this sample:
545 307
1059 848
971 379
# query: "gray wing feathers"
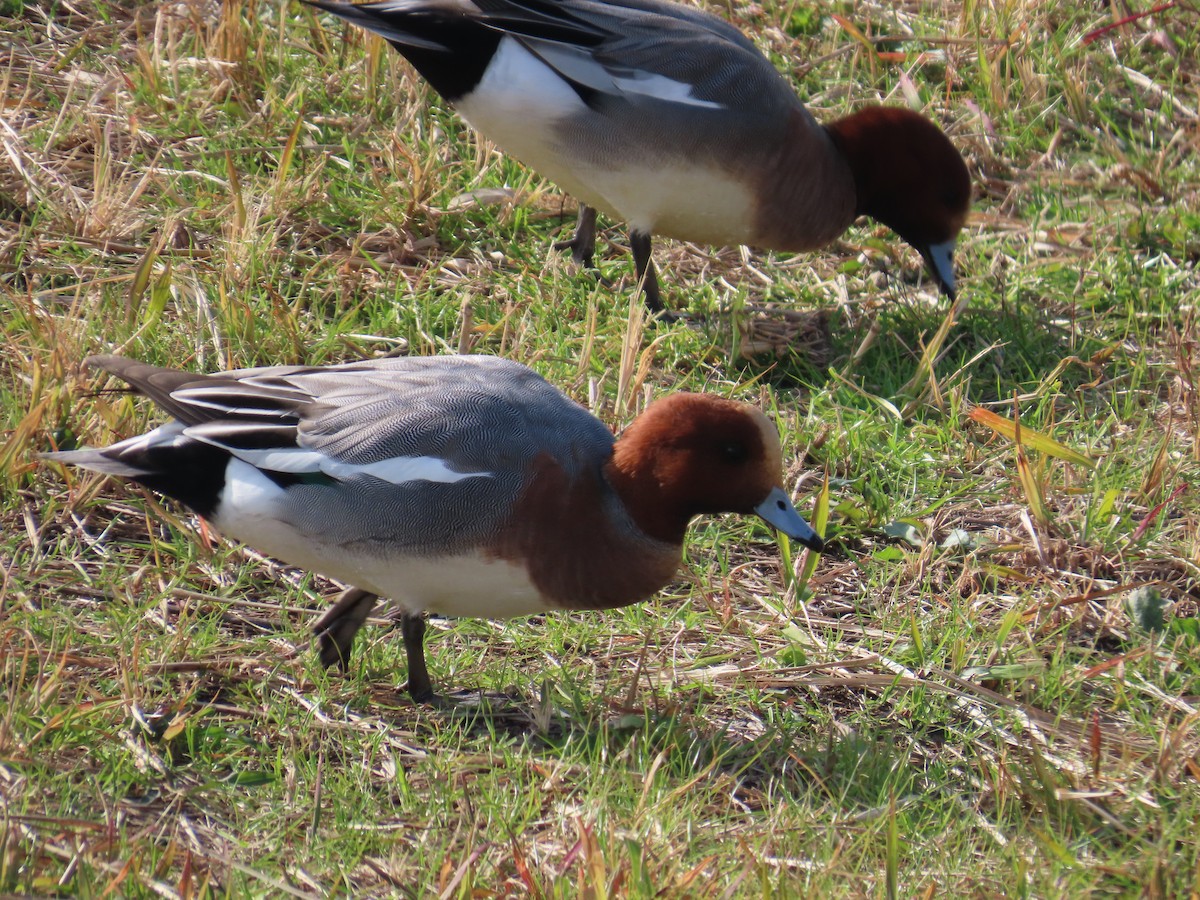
604 46
480 415
689 14
682 44
714 71
477 413
155 382
386 19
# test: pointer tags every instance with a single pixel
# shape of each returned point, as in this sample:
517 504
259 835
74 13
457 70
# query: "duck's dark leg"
583 244
337 628
639 243
412 626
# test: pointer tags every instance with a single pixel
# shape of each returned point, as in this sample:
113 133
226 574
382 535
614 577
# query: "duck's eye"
734 452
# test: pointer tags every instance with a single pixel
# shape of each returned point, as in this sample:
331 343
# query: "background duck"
670 119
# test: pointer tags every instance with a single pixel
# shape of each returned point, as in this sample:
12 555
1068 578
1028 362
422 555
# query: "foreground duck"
671 119
457 485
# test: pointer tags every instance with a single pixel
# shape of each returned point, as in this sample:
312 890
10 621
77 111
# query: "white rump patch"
247 492
517 91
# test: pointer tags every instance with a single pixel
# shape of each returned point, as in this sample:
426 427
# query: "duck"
670 119
454 485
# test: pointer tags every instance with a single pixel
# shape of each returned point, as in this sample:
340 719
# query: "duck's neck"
648 494
810 202
580 543
852 136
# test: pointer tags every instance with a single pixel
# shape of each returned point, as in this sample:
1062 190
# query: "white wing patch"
397 470
298 461
663 88
402 469
578 64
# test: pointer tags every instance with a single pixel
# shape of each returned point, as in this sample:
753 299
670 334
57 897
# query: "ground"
990 683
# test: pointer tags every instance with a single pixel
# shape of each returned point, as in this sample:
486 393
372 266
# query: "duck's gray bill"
940 260
777 510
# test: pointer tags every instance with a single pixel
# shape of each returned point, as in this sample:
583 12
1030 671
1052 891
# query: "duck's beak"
778 512
940 260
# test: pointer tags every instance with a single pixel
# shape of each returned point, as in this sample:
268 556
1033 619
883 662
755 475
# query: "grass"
961 701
